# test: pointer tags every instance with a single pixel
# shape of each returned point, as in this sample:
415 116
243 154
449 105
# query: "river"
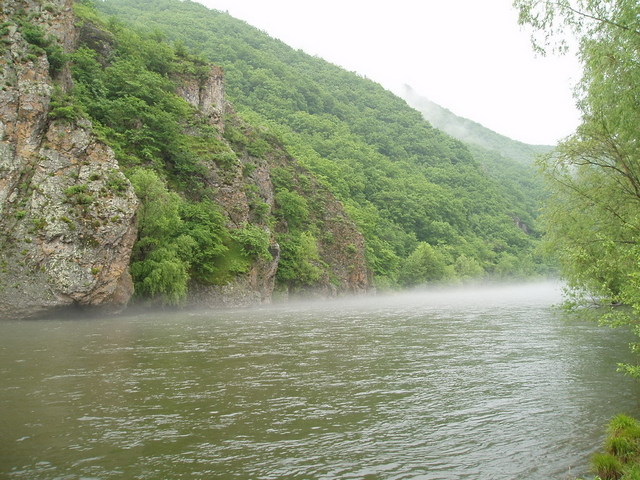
452 384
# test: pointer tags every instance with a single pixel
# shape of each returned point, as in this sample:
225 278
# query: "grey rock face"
67 213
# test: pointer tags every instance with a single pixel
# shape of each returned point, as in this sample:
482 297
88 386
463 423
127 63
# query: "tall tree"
593 216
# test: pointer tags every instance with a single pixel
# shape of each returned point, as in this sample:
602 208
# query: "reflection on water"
485 383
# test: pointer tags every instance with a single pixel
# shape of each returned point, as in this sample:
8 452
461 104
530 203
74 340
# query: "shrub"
292 207
606 466
116 182
37 37
159 267
300 263
77 194
253 240
425 264
204 223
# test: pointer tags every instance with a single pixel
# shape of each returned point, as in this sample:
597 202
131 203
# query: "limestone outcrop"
206 93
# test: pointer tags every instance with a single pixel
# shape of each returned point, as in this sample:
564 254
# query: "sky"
469 56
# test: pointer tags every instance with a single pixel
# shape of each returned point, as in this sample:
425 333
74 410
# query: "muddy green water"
483 383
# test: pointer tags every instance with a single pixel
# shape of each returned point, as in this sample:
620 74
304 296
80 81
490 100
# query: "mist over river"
469 383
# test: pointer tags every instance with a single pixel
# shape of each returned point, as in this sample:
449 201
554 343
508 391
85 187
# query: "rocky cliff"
67 211
206 93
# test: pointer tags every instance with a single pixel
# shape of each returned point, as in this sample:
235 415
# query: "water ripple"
478 384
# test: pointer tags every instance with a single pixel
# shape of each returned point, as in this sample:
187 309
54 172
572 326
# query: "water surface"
483 383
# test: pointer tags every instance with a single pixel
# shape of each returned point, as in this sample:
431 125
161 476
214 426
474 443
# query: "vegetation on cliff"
409 187
320 178
67 218
207 215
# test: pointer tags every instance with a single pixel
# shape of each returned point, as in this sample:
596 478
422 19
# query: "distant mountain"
472 132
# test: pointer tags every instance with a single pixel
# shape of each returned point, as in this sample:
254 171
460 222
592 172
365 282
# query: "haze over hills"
472 132
508 161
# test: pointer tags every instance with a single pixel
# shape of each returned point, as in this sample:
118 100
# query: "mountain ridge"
470 131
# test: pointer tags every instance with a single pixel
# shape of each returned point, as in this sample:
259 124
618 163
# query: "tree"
425 265
593 216
158 266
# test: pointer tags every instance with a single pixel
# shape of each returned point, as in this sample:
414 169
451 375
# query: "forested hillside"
427 208
520 179
124 169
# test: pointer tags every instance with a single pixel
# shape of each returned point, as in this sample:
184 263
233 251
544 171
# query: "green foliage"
620 459
467 268
205 225
78 195
171 154
592 221
253 240
160 258
36 36
63 107
116 183
177 241
592 217
426 264
606 466
292 207
402 181
133 106
300 263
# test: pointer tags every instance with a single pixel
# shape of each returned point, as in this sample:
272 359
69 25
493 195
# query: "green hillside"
509 162
423 201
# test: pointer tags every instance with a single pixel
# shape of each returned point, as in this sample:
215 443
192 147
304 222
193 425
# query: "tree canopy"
593 216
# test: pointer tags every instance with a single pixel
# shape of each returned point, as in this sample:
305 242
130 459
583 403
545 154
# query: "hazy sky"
469 56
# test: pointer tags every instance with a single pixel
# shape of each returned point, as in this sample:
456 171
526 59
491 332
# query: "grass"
621 457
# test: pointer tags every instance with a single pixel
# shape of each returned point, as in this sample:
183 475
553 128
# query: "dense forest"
424 202
258 166
163 148
520 180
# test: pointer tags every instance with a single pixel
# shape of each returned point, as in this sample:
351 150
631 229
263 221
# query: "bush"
292 207
426 264
253 240
36 36
204 223
607 466
300 263
158 265
161 274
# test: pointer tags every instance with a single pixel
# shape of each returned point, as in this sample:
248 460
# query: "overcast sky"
469 56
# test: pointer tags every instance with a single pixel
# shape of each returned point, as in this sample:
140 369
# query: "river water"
478 383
